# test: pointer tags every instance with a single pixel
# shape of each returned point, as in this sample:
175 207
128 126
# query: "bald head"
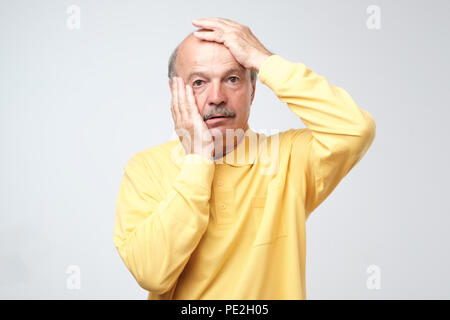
187 49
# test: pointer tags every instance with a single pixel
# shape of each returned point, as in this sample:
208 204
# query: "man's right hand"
189 125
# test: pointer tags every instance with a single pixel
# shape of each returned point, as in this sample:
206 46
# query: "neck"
226 148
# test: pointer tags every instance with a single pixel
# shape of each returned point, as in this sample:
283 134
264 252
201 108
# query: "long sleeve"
155 236
338 133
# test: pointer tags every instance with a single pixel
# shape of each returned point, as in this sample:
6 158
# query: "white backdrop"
76 104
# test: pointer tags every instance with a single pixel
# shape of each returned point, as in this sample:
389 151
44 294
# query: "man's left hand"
243 45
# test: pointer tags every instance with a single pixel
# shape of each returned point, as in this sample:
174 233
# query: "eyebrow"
199 73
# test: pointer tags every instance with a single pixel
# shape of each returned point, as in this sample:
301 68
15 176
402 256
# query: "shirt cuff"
197 170
276 70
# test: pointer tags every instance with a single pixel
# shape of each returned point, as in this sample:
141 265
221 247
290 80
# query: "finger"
172 102
181 98
229 22
191 100
175 100
174 117
210 23
216 35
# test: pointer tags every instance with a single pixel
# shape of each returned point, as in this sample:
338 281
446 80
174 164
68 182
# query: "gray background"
77 104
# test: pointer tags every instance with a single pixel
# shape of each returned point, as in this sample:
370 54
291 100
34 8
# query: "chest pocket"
269 222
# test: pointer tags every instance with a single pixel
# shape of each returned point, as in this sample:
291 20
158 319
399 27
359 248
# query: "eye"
196 81
233 77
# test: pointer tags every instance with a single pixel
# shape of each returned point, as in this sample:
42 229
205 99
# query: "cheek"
242 102
244 96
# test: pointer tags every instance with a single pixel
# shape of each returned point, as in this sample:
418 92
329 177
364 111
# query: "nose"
216 95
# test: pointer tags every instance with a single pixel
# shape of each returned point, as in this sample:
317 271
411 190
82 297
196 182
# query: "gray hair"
173 71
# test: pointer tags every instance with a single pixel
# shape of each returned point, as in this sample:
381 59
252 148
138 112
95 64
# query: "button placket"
224 203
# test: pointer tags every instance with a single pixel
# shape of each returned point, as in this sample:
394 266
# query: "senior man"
195 220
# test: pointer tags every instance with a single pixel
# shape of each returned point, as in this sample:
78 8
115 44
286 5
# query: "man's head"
220 84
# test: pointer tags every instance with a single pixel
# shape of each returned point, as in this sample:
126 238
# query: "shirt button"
220 183
222 206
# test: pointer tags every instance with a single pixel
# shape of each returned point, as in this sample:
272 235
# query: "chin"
220 130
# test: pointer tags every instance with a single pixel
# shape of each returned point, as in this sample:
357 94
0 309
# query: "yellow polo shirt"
190 228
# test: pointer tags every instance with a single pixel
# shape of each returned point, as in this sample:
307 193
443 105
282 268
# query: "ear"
253 84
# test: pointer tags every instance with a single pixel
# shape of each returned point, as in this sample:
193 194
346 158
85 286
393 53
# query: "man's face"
220 84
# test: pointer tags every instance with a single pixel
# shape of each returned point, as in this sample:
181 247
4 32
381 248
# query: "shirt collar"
245 153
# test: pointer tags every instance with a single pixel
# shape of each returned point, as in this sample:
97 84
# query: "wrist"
198 158
259 60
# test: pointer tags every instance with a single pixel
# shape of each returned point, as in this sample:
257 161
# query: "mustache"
219 111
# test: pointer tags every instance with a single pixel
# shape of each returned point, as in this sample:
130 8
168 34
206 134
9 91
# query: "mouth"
216 118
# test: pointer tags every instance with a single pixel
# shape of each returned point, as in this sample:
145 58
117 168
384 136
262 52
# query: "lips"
214 120
217 116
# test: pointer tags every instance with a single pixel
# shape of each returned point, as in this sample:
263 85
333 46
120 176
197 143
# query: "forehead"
211 58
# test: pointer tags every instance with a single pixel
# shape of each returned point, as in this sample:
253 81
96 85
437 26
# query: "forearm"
156 248
328 111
